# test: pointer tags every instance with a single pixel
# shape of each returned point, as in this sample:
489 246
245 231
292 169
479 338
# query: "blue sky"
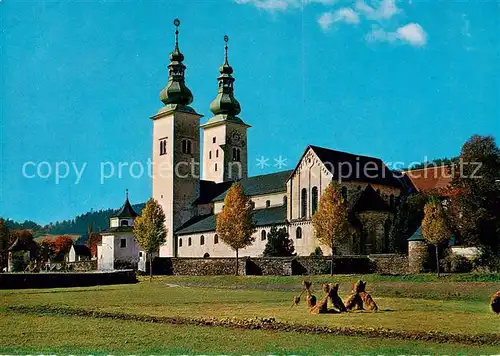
80 79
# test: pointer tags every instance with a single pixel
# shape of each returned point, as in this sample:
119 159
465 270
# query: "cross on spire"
226 39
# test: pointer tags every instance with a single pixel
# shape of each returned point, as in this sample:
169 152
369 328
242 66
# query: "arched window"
285 199
303 203
298 233
188 146
180 242
124 223
344 193
209 154
216 153
268 203
202 240
213 139
236 154
184 146
391 201
263 235
215 167
314 197
189 242
216 239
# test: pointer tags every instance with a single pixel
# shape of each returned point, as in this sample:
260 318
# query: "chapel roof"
126 211
262 217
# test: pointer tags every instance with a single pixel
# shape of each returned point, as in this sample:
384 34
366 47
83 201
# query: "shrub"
318 252
458 263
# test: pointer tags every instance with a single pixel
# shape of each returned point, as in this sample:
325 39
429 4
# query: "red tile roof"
430 178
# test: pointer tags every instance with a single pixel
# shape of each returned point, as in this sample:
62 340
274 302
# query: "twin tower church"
191 201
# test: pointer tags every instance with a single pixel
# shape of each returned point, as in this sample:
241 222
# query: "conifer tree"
278 243
330 222
150 231
234 224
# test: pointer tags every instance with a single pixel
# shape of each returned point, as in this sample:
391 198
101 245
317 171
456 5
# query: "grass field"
451 305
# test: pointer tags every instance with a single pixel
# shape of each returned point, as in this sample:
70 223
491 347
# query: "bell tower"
225 134
176 150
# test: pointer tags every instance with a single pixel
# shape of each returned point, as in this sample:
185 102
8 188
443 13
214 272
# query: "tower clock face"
235 137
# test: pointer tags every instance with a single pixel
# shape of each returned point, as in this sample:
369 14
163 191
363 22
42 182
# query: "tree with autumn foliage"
150 231
435 228
93 239
474 195
62 245
47 248
234 224
330 222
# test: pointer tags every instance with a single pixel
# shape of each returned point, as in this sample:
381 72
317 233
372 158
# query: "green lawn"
452 306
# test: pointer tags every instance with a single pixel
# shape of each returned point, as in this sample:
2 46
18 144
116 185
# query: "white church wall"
105 253
304 246
275 199
220 249
213 154
129 252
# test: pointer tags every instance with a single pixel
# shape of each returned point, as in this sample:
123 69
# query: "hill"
99 220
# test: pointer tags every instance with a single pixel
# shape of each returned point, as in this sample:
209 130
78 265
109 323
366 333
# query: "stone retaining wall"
281 266
389 264
64 280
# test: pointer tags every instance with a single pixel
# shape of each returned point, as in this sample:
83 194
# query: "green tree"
5 242
331 220
150 231
435 228
278 243
475 194
408 217
234 224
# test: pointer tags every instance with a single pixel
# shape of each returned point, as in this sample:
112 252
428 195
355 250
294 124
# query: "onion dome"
176 91
225 102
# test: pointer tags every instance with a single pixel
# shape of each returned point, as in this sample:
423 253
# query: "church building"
285 199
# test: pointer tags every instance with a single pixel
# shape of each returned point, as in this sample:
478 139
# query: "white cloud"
282 5
385 10
348 15
269 5
412 34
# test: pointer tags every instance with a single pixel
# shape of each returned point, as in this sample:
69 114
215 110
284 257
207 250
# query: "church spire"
225 102
176 91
